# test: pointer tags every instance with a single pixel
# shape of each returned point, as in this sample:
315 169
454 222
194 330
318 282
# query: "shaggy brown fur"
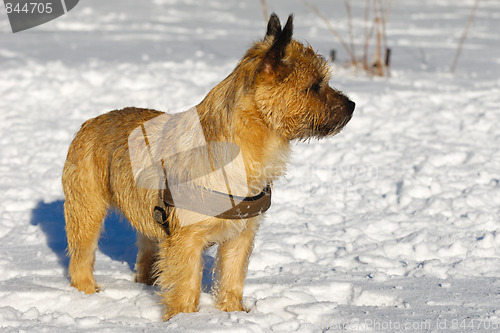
279 92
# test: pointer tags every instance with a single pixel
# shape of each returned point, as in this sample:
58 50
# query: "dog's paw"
170 312
144 278
229 303
88 288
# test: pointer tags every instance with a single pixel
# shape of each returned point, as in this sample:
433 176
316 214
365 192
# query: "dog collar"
209 202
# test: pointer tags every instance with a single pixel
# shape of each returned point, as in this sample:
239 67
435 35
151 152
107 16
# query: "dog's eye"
316 87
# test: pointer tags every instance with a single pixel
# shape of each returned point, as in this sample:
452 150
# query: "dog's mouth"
325 130
337 123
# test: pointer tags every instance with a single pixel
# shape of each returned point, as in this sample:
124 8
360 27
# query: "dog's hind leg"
82 229
84 210
146 257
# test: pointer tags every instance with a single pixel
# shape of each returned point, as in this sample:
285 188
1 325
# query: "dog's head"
291 86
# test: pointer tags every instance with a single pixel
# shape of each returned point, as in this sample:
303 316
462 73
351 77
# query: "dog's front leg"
232 263
180 270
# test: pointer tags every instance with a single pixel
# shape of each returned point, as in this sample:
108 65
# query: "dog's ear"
273 26
276 52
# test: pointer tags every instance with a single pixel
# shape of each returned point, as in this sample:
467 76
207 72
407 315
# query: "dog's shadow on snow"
117 239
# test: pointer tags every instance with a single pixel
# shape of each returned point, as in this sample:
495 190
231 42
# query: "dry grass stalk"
263 4
464 35
368 32
380 62
349 27
332 30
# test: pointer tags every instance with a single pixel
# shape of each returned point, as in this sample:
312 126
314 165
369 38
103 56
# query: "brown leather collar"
211 203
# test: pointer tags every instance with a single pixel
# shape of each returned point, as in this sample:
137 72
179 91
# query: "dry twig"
332 30
464 35
349 27
381 58
264 10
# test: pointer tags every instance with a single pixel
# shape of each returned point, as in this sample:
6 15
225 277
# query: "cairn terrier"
190 180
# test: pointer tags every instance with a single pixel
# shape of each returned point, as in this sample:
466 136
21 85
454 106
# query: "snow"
392 225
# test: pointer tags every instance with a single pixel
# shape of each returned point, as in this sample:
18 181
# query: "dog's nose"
351 105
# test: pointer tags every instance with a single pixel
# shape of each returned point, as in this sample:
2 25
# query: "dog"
190 180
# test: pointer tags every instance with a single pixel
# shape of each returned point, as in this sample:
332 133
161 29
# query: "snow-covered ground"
392 225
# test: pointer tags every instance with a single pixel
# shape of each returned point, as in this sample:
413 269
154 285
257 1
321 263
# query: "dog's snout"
350 106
